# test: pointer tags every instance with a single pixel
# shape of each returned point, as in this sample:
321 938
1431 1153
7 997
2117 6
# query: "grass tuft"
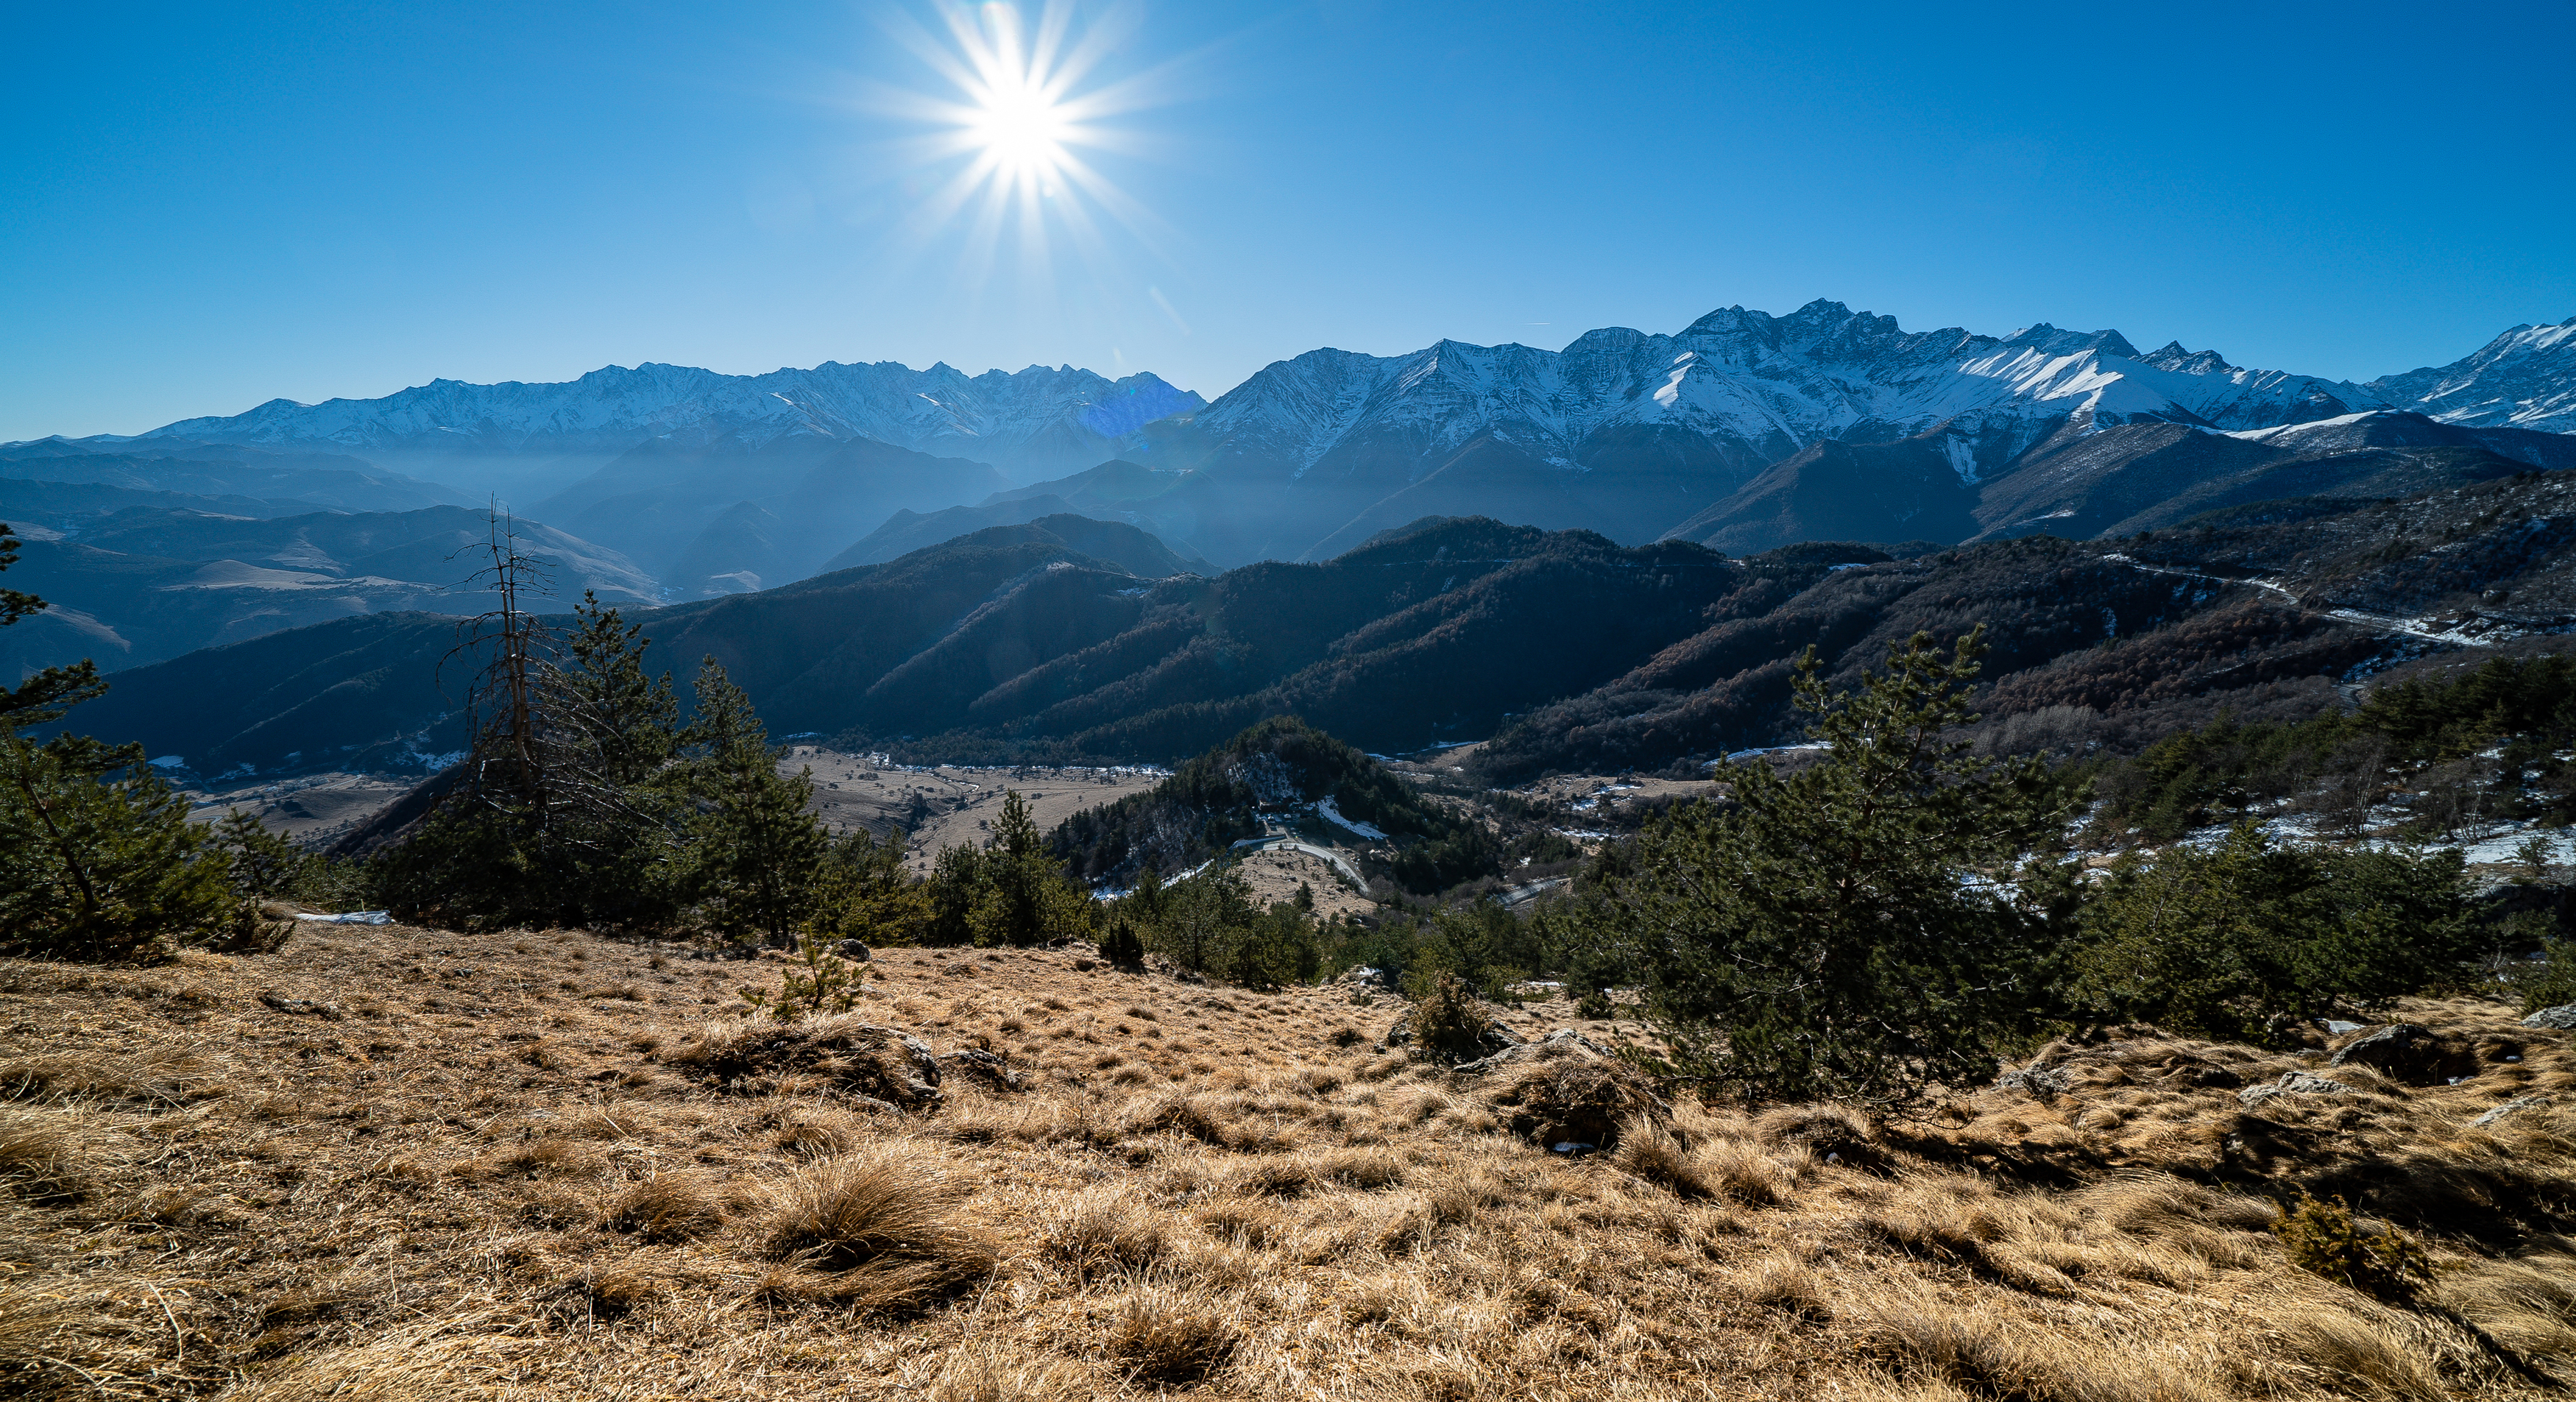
1166 1338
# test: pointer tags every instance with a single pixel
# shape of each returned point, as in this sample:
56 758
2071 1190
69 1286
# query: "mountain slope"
1281 770
328 480
2263 608
722 518
136 585
907 531
2108 481
2525 378
369 689
1637 434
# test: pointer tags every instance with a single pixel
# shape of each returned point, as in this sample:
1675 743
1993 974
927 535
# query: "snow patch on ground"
1334 816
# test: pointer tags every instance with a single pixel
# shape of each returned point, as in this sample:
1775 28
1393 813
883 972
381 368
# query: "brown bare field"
949 806
1274 874
310 808
547 1165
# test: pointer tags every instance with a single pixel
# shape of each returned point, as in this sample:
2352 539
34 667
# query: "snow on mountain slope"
2525 378
1037 418
1754 387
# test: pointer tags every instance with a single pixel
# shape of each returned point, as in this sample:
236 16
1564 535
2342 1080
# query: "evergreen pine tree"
758 847
611 731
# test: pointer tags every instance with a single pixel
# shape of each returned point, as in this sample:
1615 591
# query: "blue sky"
205 207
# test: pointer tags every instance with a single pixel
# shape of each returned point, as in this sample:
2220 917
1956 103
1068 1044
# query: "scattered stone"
303 1007
2520 1102
853 951
2416 1055
2044 1083
2561 1018
1563 1039
2291 1083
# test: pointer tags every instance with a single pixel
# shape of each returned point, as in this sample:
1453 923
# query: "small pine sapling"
1121 945
820 982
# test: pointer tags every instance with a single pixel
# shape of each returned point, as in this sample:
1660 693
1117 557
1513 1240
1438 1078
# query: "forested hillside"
1568 652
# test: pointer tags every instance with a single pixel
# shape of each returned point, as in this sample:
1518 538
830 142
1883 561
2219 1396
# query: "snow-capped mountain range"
1625 432
1756 388
1037 419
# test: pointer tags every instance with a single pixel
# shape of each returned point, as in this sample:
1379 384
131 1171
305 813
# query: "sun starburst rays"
1024 103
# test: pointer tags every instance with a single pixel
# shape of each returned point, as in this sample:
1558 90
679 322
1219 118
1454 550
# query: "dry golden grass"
479 1182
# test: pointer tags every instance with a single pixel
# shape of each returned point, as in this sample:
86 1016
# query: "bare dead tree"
505 649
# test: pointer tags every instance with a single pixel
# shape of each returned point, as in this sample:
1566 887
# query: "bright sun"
1022 130
1025 101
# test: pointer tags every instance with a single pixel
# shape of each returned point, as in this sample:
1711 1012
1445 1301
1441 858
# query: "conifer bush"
2241 940
1446 1021
98 860
1847 932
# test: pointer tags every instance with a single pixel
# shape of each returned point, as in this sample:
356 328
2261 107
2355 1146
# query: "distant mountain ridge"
1036 419
1744 430
1633 433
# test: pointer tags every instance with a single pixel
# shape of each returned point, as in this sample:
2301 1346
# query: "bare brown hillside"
396 1163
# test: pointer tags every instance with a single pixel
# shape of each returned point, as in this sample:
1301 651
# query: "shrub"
1839 933
1275 949
2553 984
267 866
2230 942
2323 1237
1121 945
1446 1021
1009 892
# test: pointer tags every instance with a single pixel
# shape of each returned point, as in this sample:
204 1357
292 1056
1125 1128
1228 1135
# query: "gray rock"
2521 1102
2045 1083
853 951
2337 1029
1568 1037
1565 1038
2415 1055
2291 1083
2561 1018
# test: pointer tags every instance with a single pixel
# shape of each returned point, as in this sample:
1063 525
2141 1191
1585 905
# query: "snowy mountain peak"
2525 378
2044 337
